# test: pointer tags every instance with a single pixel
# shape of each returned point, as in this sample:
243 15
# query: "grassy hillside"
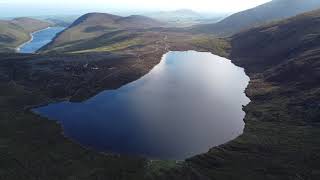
93 25
32 147
281 140
17 31
281 136
11 36
268 12
30 25
279 42
60 20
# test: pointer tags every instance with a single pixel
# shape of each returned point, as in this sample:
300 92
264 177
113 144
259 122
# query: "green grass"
156 168
33 147
16 34
210 43
281 139
118 46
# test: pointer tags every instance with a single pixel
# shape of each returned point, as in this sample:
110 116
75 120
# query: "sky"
11 8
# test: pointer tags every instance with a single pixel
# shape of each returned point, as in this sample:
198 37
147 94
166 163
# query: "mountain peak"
95 18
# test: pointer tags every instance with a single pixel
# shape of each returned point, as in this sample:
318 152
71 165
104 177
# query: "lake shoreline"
182 61
264 140
30 38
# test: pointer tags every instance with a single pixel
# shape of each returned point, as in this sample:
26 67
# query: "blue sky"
11 8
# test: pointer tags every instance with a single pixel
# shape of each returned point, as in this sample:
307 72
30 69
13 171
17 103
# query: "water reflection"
187 104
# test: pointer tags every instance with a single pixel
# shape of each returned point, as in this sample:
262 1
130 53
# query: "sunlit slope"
11 36
17 31
30 24
93 25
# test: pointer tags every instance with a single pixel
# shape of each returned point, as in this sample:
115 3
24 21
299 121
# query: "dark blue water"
39 39
188 103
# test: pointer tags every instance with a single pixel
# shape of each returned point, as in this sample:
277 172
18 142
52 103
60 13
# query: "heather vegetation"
103 51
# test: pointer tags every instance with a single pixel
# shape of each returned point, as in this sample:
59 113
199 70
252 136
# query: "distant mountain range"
93 25
185 17
17 31
268 12
181 13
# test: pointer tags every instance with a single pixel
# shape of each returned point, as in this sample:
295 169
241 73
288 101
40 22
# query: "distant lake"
39 39
187 104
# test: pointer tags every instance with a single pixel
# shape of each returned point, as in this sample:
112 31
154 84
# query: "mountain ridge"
94 25
265 13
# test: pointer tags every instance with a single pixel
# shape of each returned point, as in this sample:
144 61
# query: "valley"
101 52
16 32
33 80
39 39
